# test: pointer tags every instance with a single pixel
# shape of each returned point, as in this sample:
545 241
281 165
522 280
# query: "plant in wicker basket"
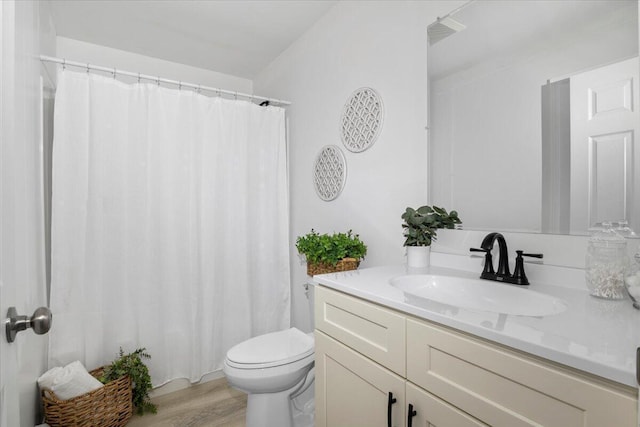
132 365
326 253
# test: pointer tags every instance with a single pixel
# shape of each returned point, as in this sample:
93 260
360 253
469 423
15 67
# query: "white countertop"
593 335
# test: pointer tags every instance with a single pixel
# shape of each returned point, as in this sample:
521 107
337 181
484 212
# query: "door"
605 155
352 390
22 267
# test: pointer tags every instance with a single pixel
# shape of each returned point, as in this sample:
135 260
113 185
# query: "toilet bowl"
273 369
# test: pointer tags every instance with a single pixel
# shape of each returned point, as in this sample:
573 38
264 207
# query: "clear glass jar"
625 231
632 280
606 264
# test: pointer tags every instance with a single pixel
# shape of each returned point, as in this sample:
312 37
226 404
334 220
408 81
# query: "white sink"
479 294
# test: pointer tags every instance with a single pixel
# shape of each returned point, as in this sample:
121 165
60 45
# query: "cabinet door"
432 411
352 390
507 389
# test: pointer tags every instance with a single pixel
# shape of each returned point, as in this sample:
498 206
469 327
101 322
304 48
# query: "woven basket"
108 406
344 264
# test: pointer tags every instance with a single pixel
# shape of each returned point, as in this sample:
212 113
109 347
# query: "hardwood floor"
212 404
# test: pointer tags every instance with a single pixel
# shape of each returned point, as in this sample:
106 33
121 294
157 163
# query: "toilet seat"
271 350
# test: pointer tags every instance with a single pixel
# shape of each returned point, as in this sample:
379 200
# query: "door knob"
40 322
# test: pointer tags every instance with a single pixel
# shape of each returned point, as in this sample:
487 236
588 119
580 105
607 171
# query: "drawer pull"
412 413
638 365
390 403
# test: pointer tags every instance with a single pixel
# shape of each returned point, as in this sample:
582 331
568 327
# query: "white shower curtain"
169 225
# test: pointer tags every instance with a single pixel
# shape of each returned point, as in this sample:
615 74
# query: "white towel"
71 381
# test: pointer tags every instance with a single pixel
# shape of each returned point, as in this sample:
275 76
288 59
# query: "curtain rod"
159 80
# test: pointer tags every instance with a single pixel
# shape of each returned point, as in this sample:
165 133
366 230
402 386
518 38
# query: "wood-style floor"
212 404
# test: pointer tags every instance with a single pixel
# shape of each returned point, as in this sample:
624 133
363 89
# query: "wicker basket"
344 264
108 406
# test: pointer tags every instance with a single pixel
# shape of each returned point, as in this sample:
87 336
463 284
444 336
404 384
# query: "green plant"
329 249
420 224
131 364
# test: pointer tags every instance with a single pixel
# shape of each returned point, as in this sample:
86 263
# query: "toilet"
276 370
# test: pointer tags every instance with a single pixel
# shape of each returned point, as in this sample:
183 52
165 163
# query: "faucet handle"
530 255
488 260
519 277
479 250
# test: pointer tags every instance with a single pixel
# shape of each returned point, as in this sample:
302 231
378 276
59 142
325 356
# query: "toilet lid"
274 349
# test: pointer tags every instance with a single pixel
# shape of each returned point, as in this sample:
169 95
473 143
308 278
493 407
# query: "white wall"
378 44
84 52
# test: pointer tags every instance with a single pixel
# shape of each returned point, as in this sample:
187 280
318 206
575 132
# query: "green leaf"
419 227
132 365
424 210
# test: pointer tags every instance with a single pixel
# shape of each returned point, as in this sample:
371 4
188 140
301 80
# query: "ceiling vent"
443 28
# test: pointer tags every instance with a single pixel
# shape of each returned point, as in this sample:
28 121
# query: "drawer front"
503 388
374 331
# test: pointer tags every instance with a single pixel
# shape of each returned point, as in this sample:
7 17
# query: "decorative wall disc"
361 119
329 172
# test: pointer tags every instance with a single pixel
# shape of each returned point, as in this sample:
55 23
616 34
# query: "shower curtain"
169 225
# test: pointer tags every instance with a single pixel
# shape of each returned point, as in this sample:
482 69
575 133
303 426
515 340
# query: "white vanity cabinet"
360 358
365 351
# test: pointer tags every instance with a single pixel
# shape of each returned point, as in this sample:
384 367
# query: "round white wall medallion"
361 119
329 172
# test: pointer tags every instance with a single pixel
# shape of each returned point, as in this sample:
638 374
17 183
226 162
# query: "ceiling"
236 37
496 29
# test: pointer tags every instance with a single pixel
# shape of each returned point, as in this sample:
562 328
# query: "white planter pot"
418 256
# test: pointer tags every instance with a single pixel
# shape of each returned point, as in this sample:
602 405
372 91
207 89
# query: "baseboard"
183 383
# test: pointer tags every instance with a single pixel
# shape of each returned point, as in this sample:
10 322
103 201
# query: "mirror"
533 114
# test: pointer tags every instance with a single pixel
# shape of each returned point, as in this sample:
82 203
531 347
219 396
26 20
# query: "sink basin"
479 294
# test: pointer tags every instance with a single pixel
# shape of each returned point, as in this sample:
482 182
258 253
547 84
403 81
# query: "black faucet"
503 274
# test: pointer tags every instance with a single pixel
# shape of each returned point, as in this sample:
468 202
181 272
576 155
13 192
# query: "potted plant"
420 227
133 366
326 253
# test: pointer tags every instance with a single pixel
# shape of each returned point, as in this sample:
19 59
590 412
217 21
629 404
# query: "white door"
605 155
22 270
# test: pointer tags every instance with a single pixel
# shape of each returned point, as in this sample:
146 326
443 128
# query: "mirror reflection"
533 114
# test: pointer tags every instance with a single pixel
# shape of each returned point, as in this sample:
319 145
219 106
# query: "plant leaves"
419 228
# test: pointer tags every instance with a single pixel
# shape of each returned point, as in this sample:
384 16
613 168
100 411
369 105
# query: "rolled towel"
71 381
47 381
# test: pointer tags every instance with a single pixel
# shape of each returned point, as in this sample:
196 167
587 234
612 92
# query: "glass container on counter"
632 280
606 264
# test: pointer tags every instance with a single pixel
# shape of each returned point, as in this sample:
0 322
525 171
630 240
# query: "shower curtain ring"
88 67
158 81
179 85
138 77
198 89
114 72
64 64
235 95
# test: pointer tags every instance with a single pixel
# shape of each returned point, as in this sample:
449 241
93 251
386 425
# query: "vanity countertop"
593 335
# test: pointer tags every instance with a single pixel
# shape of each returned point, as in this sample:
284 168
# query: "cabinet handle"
410 416
638 365
390 403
